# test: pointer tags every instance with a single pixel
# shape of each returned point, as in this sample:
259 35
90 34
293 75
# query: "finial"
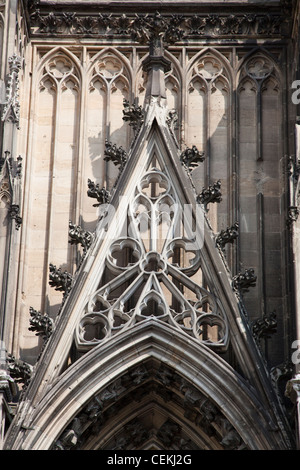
156 65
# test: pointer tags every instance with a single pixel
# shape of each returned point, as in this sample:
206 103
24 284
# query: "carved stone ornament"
79 236
19 370
265 326
143 27
60 280
191 157
197 408
133 114
210 195
243 281
41 324
101 194
293 214
115 154
146 274
11 111
227 236
14 214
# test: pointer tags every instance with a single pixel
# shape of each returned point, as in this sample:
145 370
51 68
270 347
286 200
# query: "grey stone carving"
71 437
144 274
42 324
191 157
11 111
134 434
133 114
196 406
19 370
141 27
230 438
169 434
210 195
60 280
156 28
101 194
115 154
172 121
293 214
79 236
243 281
19 167
281 371
264 327
92 414
15 215
14 166
227 236
139 375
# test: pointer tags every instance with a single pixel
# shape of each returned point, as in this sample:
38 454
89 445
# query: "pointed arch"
109 82
189 371
113 53
257 52
151 337
54 154
212 53
58 51
209 93
260 147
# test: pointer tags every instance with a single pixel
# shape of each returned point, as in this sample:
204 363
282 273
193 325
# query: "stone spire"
156 65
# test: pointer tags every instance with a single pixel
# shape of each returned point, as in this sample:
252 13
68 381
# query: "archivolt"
148 364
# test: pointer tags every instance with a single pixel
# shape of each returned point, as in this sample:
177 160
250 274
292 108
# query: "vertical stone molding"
11 111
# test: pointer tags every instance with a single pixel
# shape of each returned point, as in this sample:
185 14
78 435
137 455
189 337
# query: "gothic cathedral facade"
149 229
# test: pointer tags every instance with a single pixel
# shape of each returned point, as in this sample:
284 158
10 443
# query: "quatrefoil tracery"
148 280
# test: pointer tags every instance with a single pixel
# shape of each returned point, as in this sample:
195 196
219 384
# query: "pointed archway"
149 371
151 338
136 310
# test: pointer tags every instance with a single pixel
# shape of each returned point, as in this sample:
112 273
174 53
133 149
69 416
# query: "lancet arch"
71 61
151 334
110 64
263 55
219 64
54 158
73 412
109 83
209 87
259 93
209 115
